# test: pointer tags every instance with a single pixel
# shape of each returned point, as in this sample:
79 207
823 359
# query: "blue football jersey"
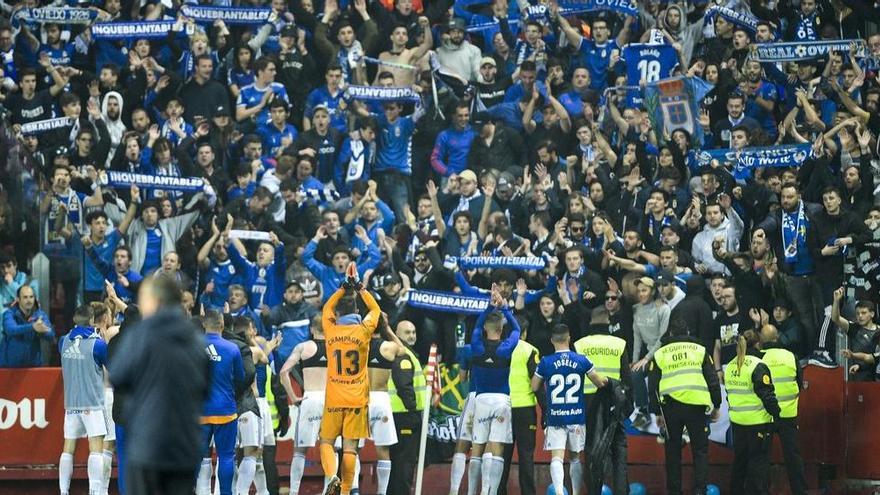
648 63
564 373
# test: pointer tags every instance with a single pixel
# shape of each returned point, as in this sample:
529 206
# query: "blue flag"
674 103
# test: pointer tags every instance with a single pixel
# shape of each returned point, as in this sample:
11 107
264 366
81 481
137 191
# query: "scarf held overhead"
515 262
249 235
791 155
446 302
744 20
379 93
626 7
138 30
230 15
804 50
42 126
55 15
119 179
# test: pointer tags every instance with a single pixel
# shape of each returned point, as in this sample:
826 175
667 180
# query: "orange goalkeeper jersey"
348 351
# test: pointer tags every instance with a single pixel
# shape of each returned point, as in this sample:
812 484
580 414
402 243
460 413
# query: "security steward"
407 390
611 357
524 420
751 398
683 389
788 381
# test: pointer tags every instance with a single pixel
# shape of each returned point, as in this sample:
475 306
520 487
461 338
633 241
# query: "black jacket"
162 366
694 313
244 393
772 226
824 228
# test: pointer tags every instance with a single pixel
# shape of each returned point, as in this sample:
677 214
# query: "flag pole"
423 440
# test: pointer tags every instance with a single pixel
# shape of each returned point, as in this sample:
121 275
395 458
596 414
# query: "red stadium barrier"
839 427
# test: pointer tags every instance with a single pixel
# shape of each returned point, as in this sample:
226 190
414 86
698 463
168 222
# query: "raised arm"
328 313
131 211
571 33
507 346
841 322
373 310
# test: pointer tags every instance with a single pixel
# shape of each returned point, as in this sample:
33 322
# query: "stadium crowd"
670 173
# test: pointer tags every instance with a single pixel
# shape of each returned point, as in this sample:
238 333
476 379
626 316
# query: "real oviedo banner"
32 417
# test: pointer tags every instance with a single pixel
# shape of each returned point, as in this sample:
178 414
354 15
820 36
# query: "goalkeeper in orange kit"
348 386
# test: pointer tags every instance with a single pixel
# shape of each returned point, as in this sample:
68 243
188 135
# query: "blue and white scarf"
205 14
577 276
794 233
803 50
396 65
321 195
626 7
55 15
514 262
446 302
132 30
476 27
379 93
42 126
123 180
744 20
361 157
789 155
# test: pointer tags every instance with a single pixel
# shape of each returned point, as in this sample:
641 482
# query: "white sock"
65 471
497 473
557 475
486 481
457 472
96 473
108 470
215 489
260 479
203 482
297 466
355 485
576 471
246 471
474 474
383 473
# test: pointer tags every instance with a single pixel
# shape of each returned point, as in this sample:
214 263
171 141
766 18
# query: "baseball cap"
221 111
648 281
673 226
289 31
488 60
505 182
455 23
664 277
468 175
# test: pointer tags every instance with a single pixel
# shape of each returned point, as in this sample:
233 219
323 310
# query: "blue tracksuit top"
226 370
329 277
490 361
265 285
